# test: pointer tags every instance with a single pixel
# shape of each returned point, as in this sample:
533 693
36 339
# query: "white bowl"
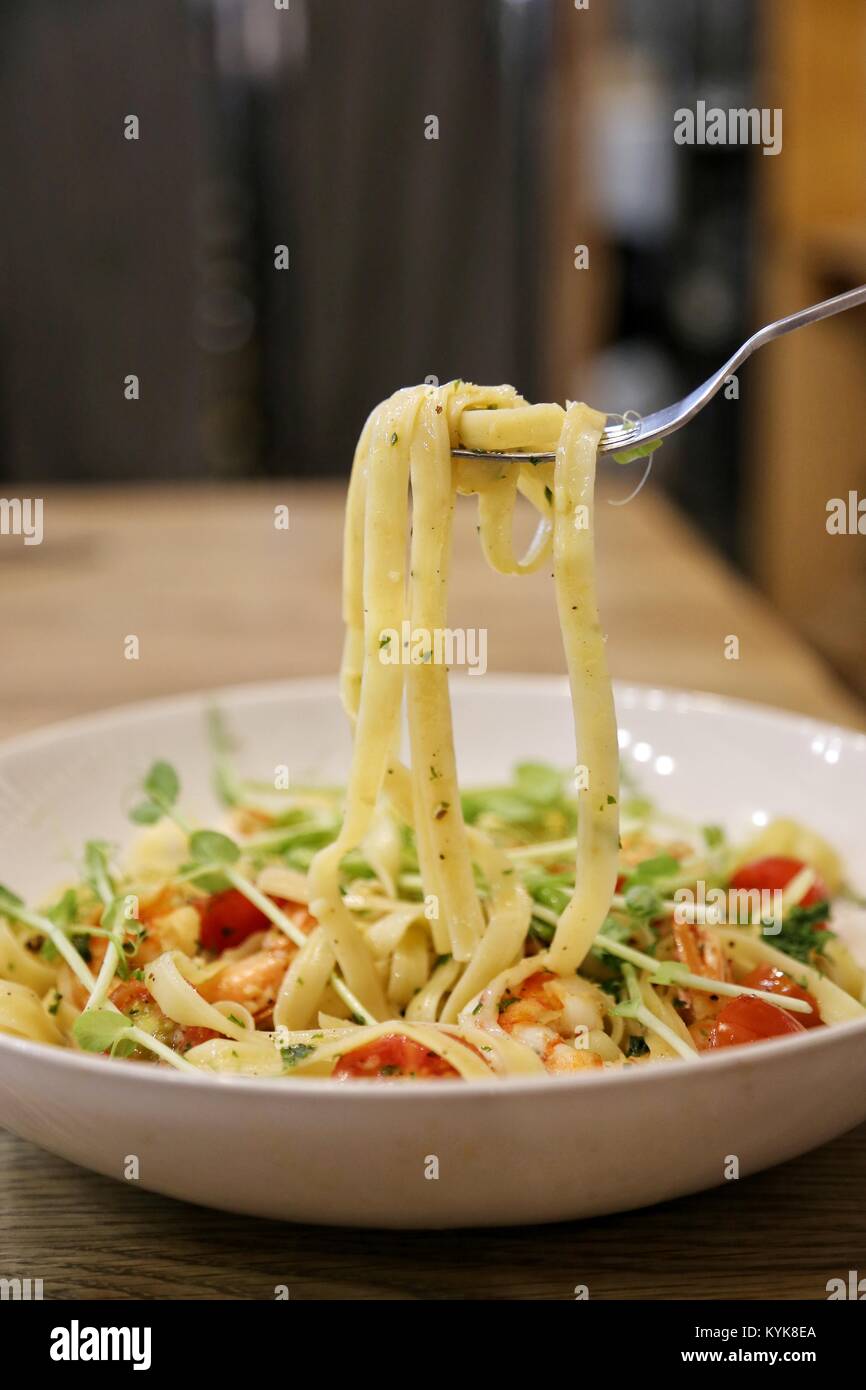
360 1154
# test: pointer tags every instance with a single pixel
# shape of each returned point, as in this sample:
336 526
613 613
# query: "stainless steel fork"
631 433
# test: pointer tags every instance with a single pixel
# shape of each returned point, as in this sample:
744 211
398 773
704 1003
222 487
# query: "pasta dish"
403 928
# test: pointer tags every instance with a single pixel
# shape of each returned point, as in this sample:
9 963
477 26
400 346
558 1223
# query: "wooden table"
215 595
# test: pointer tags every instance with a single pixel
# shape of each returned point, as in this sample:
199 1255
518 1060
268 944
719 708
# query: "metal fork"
664 422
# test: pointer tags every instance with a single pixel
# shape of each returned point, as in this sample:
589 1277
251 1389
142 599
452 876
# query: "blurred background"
306 124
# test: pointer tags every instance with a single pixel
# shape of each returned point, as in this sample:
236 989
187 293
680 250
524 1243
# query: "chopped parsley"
803 934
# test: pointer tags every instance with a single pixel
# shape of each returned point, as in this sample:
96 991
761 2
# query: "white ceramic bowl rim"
728 1059
253 692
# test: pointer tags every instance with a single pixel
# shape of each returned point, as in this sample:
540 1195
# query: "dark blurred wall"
404 247
409 257
258 127
95 241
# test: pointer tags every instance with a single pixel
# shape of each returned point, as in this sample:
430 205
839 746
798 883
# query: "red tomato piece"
131 996
775 981
775 873
185 1036
393 1055
748 1020
134 999
227 919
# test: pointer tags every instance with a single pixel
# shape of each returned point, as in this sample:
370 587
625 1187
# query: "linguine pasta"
403 928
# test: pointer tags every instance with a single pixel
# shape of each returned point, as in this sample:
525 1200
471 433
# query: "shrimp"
544 1009
699 950
701 954
254 980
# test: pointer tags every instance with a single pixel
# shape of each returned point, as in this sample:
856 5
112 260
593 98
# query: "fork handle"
664 422
849 300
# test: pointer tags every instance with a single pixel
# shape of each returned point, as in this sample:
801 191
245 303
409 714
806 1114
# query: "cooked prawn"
700 952
253 980
544 1009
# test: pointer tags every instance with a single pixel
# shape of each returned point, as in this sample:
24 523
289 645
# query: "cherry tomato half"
131 997
227 919
748 1020
775 981
134 999
393 1055
775 873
